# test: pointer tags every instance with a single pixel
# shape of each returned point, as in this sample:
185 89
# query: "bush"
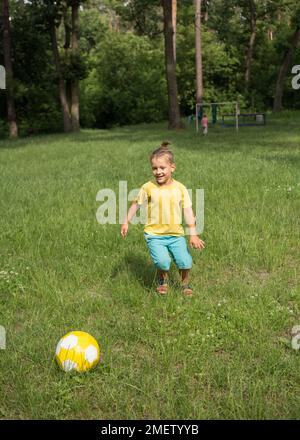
127 84
4 131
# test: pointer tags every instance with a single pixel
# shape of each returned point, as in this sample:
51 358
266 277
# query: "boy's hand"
196 242
124 230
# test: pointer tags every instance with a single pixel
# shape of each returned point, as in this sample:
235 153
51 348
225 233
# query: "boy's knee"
163 263
184 263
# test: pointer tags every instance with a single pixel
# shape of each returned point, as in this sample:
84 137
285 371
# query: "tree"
67 123
70 67
258 16
198 52
253 33
142 16
174 23
284 68
174 114
75 82
290 48
11 111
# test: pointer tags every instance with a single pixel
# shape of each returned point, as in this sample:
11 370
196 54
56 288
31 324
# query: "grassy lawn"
225 352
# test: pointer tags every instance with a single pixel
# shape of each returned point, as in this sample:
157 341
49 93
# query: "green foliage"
144 15
35 84
219 67
74 65
127 82
4 131
120 60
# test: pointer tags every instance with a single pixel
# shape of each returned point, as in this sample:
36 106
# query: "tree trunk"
174 115
68 29
61 81
174 22
293 41
250 50
11 111
198 53
75 82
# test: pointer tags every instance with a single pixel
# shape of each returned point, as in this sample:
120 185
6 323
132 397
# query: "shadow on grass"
139 266
219 139
277 135
12 144
142 270
42 138
85 136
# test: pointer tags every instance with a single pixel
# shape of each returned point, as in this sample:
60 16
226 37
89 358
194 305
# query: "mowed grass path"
225 353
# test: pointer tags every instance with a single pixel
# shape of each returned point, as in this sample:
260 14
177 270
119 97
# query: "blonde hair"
163 150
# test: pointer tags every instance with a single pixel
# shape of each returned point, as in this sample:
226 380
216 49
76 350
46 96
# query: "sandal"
187 290
162 287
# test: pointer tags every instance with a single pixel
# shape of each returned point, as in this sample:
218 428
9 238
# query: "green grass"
225 353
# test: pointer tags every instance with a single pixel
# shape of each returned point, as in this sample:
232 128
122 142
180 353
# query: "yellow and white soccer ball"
77 351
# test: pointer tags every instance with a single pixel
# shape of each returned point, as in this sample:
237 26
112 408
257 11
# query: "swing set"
230 115
214 109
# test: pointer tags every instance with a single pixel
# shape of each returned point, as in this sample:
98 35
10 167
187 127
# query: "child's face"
162 170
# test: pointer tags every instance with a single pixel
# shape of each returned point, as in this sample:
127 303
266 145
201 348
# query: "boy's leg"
162 275
179 250
162 286
161 259
185 275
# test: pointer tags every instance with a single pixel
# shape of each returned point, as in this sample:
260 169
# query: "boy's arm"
131 212
189 218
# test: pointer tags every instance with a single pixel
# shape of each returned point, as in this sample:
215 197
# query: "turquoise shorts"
163 247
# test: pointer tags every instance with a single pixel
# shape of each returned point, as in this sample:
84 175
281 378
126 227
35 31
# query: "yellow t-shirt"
164 206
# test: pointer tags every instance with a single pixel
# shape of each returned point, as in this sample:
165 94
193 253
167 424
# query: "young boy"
204 123
165 198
